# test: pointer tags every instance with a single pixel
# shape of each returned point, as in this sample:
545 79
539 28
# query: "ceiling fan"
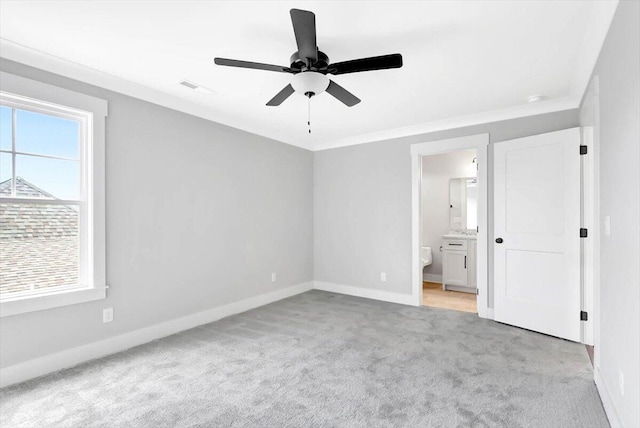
310 66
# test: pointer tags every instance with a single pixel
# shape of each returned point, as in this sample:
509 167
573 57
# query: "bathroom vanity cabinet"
459 263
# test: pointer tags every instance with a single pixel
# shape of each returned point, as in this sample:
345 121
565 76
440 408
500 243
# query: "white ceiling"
461 58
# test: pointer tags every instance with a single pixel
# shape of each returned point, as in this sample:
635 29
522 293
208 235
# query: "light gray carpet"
324 360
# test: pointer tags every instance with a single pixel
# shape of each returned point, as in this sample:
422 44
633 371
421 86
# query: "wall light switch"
383 277
607 226
273 277
107 315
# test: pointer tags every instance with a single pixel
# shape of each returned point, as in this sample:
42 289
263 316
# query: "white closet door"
537 233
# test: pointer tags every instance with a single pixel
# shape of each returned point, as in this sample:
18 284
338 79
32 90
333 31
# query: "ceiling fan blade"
367 64
281 96
304 27
342 94
253 65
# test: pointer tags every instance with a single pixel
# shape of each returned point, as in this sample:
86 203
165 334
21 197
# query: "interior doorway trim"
590 212
480 142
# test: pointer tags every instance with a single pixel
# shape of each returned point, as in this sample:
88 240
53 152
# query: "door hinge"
583 232
583 150
583 316
477 291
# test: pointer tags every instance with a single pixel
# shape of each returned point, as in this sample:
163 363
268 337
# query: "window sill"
54 300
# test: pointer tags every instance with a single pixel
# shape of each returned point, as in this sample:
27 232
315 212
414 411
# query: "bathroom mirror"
463 203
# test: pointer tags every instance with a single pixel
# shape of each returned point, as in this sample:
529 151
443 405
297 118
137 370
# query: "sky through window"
51 151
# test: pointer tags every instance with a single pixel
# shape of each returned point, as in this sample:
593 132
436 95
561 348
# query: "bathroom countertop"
456 236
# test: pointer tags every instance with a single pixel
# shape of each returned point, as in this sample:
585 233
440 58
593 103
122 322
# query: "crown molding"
34 58
15 52
515 112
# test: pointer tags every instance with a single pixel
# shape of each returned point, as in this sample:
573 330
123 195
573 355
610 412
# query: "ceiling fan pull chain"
309 113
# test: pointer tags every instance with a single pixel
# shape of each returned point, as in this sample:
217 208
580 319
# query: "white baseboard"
367 293
74 356
432 277
607 402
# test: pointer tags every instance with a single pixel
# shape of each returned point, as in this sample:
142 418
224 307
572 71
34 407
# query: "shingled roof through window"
24 189
38 242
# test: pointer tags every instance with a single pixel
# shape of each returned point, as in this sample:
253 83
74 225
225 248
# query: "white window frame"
21 93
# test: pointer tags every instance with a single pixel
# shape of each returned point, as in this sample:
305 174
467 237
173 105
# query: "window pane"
38 177
38 247
5 171
46 135
5 128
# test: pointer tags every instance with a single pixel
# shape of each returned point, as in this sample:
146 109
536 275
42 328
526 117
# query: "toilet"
425 255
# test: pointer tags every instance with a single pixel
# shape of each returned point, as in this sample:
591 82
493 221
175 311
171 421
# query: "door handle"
499 241
465 262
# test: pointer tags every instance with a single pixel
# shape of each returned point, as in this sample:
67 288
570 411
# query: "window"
51 196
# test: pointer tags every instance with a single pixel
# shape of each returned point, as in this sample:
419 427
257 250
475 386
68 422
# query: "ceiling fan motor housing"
300 64
310 83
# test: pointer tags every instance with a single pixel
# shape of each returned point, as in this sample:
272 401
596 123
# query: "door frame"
590 216
479 142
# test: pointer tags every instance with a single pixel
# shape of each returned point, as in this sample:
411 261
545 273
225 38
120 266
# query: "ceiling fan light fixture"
310 82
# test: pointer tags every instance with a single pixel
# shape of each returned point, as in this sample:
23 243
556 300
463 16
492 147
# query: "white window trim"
96 287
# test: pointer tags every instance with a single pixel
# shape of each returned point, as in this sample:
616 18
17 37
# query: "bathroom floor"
433 295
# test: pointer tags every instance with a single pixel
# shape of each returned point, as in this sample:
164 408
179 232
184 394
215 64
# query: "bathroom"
449 217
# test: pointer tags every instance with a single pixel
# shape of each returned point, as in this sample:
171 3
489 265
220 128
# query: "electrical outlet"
107 315
383 277
273 277
621 381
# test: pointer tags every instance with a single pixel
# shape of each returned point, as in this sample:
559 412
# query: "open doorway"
449 217
450 224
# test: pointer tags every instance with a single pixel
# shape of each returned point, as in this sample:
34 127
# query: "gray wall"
198 216
618 68
362 203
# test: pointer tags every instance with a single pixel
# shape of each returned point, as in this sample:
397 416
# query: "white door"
537 233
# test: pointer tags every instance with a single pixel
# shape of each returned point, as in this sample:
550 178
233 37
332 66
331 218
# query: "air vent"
195 87
188 84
